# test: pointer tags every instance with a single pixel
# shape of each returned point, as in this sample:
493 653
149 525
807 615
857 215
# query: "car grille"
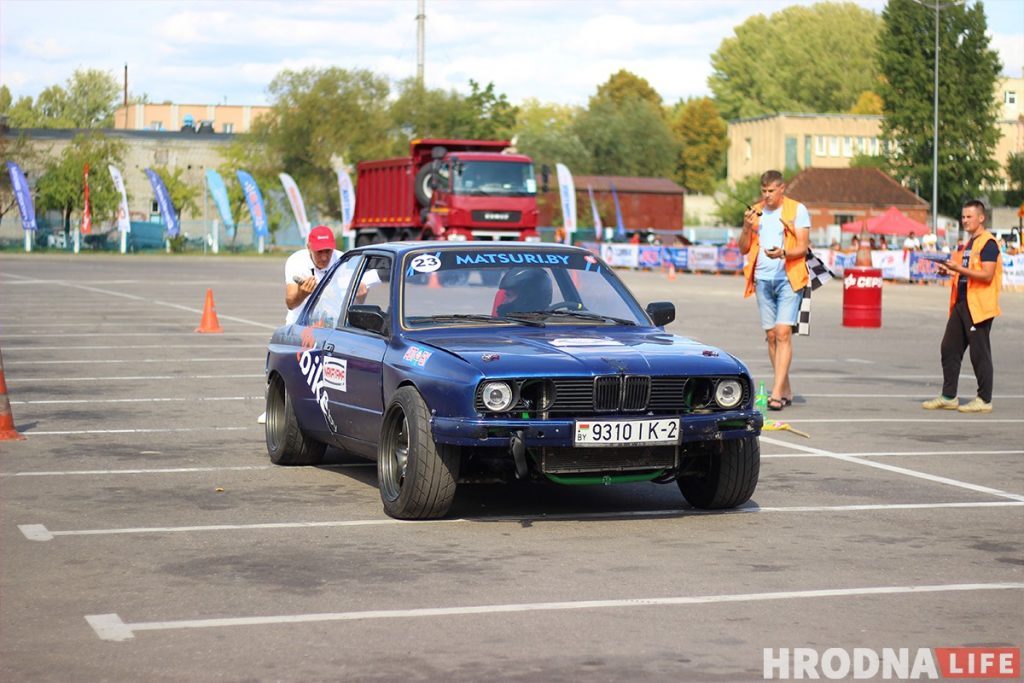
616 394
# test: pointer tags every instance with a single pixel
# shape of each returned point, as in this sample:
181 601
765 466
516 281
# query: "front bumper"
459 431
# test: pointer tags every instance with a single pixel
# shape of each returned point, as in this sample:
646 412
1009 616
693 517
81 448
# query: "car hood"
577 352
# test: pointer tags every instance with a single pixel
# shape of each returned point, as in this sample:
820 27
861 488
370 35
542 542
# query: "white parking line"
120 347
945 419
900 470
123 378
888 395
162 470
62 401
875 454
112 627
136 431
94 361
39 532
227 335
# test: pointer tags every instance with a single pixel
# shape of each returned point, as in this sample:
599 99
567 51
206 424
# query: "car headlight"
728 393
497 396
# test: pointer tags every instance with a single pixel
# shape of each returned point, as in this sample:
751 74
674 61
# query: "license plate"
626 432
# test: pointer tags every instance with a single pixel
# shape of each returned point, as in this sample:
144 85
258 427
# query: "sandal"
786 402
776 403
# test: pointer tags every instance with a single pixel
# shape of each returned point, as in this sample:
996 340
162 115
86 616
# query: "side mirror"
368 317
661 312
545 177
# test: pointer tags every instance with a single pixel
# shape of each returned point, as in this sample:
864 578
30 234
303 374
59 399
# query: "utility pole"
421 19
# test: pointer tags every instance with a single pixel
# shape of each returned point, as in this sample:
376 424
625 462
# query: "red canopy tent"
892 222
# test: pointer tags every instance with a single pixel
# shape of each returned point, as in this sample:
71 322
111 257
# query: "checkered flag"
819 274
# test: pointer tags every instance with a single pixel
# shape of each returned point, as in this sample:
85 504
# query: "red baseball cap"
321 237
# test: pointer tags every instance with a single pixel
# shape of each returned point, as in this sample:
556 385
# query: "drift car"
497 361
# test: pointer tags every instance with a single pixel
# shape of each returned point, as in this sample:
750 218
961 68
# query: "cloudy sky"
554 50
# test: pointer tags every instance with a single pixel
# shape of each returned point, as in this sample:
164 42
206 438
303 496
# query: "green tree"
183 194
1015 170
87 100
703 136
320 113
419 112
546 133
862 160
489 114
800 59
968 69
629 138
5 100
61 186
623 86
868 102
19 150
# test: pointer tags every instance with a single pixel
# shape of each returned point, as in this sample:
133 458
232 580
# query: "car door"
354 363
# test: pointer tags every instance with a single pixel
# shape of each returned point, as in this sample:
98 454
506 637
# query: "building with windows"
212 118
789 141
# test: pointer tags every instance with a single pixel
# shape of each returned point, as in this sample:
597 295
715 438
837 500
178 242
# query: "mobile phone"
298 279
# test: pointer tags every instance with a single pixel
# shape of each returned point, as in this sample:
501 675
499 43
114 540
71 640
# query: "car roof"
400 248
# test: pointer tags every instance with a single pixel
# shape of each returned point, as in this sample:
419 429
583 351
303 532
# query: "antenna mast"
421 18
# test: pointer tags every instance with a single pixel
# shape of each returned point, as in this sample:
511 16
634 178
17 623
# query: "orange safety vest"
982 297
796 266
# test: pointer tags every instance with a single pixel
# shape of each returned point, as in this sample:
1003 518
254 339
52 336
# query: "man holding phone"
775 238
306 267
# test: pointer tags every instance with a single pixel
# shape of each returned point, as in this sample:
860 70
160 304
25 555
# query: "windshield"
486 286
494 178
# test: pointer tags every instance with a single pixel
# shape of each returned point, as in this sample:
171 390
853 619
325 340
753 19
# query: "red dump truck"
447 190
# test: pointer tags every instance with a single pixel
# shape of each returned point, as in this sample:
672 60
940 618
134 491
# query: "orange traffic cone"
671 271
434 282
209 323
7 430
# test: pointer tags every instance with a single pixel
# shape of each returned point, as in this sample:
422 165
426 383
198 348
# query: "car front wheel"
416 476
286 444
727 474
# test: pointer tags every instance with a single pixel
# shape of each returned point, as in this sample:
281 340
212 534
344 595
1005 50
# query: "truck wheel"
421 185
286 444
365 237
416 477
728 477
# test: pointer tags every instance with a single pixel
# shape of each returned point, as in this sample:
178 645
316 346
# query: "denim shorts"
777 303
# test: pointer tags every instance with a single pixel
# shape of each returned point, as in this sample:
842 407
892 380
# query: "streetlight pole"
935 132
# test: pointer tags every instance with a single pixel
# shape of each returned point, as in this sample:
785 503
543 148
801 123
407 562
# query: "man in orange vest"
973 304
775 238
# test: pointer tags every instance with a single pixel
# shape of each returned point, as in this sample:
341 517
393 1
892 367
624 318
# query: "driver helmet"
526 289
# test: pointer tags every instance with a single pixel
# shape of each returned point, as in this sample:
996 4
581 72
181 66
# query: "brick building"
834 196
646 203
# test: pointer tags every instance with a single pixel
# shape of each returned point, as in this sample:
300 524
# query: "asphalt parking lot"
144 535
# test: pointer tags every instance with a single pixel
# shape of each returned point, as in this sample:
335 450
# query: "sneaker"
976 406
941 402
262 419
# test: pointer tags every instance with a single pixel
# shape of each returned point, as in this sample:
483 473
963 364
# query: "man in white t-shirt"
303 270
929 242
911 243
306 267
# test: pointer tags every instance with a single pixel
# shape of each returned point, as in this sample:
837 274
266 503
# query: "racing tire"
416 476
421 185
729 477
286 444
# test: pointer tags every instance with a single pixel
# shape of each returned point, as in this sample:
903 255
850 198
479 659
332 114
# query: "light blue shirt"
770 234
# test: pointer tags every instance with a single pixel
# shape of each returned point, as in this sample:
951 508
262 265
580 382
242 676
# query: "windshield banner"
255 201
567 192
163 199
295 199
124 223
22 195
215 184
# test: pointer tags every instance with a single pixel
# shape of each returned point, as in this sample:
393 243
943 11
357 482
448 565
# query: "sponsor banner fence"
895 264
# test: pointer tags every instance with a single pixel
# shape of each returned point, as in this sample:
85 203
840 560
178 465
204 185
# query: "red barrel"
862 297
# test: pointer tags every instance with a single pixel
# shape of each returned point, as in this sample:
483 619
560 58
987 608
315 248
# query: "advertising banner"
892 263
677 256
219 193
163 199
730 259
703 258
22 195
124 223
295 200
620 228
649 257
921 268
620 255
598 228
347 193
254 199
567 193
87 210
1013 272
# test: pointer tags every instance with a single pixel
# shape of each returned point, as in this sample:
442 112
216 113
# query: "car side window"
376 278
326 312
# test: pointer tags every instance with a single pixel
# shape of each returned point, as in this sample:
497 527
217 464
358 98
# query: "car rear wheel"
286 443
416 477
728 475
